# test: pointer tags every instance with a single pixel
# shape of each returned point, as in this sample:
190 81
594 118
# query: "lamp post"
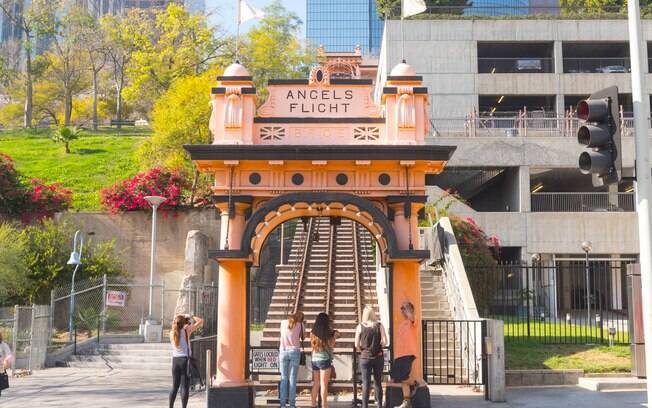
155 202
586 247
75 259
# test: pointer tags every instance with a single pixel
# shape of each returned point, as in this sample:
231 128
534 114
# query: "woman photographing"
182 328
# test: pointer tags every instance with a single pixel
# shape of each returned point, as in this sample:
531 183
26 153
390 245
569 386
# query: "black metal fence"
565 302
453 352
199 345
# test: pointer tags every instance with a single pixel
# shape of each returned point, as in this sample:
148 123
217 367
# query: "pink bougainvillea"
129 195
46 199
32 201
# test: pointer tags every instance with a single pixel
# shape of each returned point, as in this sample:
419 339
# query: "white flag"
413 7
248 12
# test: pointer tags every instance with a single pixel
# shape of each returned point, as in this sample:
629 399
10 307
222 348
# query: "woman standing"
322 340
5 357
290 357
182 328
406 349
370 338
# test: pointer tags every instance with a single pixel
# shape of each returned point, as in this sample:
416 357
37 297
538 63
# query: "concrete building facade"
503 92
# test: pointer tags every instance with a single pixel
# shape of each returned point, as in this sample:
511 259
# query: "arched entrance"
317 148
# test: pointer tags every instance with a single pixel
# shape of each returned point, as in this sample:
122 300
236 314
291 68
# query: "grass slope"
97 160
592 359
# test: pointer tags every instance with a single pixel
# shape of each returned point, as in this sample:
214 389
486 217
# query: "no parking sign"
116 298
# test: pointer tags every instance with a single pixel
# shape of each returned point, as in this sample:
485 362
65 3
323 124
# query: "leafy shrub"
479 251
91 318
13 195
39 253
29 201
129 195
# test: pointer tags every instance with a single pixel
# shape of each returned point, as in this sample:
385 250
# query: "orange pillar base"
406 287
231 324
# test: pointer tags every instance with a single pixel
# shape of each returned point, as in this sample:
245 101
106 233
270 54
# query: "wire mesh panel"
7 322
568 302
127 305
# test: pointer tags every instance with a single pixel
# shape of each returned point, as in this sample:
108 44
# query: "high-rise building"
341 25
8 28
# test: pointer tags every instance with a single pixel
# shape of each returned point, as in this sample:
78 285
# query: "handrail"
356 263
329 269
304 259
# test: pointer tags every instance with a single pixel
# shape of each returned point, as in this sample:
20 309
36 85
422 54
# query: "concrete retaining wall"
132 234
522 378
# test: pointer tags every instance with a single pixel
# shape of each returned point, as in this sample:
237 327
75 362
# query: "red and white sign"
115 298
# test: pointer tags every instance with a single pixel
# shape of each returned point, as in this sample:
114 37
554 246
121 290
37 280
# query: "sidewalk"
92 388
536 397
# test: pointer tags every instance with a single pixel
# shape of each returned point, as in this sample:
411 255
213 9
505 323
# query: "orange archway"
317 147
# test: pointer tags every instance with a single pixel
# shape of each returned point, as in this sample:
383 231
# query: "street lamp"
75 259
155 202
587 247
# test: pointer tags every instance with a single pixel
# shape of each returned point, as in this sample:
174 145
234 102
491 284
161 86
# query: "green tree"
169 45
47 249
65 135
180 116
13 268
272 50
94 46
121 41
35 23
67 62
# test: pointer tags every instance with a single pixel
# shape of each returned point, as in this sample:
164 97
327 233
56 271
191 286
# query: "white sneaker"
405 404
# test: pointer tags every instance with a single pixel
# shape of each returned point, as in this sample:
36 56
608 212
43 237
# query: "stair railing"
356 266
329 269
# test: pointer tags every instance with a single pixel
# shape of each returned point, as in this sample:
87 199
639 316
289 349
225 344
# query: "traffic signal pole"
643 185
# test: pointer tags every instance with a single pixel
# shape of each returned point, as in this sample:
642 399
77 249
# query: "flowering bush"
29 201
12 192
45 200
480 252
129 195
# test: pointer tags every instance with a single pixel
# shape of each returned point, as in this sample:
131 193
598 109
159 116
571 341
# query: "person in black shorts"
370 338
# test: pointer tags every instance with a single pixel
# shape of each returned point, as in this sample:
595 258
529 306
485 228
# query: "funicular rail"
302 263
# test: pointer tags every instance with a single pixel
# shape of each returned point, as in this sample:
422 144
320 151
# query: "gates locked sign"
116 298
264 359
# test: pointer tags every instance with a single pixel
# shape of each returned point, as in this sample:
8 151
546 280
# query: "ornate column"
406 281
231 387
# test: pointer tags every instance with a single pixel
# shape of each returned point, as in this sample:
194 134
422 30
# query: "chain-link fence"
117 307
26 330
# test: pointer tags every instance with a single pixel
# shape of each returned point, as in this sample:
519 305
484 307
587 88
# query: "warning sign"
264 359
116 298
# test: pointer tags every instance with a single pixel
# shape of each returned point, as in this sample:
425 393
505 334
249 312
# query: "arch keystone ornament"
318 147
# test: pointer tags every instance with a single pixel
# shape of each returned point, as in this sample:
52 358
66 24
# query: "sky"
223 12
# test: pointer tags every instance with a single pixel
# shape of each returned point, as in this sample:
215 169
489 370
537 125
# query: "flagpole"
237 34
402 38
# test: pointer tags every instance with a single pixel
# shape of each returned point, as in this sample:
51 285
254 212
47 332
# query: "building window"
515 57
596 57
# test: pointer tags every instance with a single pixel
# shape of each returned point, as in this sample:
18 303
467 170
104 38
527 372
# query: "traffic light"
600 133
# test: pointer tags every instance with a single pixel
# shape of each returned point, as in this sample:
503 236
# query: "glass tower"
341 25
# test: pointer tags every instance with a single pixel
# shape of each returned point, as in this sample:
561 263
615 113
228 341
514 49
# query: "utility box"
152 331
635 326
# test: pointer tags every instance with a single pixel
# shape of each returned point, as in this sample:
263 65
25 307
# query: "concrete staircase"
445 356
312 294
152 357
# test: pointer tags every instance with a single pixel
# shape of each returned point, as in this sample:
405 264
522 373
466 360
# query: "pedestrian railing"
582 202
